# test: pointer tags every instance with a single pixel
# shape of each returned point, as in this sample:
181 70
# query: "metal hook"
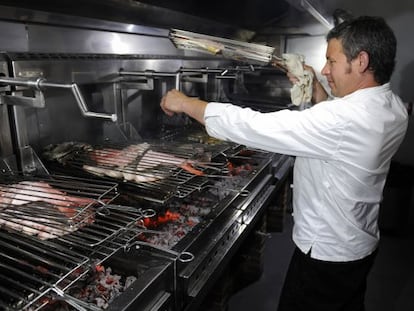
186 257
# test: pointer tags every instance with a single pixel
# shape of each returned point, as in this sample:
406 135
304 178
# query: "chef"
343 147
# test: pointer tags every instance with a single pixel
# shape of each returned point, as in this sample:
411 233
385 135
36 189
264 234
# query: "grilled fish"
36 208
136 162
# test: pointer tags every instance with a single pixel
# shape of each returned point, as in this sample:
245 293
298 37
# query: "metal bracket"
38 101
145 84
195 77
8 165
146 81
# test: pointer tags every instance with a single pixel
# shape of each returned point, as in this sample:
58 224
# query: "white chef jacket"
343 150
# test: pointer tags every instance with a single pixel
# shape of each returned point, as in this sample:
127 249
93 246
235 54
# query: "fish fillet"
36 208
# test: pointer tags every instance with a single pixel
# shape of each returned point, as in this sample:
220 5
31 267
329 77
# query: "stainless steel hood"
252 15
116 11
234 19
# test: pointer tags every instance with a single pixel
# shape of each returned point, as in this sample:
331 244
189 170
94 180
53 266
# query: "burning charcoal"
193 220
101 287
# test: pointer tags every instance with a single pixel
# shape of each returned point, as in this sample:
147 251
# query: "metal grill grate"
52 206
151 171
33 272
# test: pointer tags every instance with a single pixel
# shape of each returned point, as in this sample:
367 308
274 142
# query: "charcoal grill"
155 171
177 230
36 270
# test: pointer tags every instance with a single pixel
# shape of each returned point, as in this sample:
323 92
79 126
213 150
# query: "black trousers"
315 285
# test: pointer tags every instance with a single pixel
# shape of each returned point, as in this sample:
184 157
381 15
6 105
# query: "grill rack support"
39 101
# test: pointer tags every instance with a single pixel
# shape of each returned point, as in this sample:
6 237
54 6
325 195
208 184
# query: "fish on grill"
32 191
136 163
128 163
44 228
36 208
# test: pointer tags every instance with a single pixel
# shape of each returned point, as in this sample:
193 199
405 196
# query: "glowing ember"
171 226
183 215
161 219
103 286
100 288
235 170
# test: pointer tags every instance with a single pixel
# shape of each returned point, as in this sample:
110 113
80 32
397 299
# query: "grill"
154 171
105 202
64 204
43 255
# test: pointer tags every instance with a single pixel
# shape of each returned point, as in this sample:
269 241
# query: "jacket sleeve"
314 132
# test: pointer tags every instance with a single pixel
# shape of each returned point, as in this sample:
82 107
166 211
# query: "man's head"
361 53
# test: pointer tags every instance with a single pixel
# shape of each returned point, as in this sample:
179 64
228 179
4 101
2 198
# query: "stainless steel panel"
13 37
7 160
61 119
140 106
5 138
115 15
52 39
42 17
313 47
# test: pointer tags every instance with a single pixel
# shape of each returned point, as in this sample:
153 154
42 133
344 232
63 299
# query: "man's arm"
176 102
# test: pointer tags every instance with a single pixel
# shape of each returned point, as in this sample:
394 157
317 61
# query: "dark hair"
372 35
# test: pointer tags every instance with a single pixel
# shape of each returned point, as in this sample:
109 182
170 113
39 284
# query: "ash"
100 287
104 286
227 186
182 215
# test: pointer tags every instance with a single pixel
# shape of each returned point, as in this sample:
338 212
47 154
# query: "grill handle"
39 101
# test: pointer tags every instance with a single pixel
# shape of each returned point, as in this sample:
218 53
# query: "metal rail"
199 75
39 101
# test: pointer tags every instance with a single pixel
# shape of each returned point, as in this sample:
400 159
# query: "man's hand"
318 94
176 102
292 78
173 102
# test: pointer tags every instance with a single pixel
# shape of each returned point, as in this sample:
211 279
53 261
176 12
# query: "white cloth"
343 150
301 91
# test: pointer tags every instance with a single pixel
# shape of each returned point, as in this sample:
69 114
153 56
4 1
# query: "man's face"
342 75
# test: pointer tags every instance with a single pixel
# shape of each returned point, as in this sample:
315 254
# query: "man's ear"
363 59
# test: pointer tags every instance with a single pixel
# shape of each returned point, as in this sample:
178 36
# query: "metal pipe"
186 72
176 74
177 80
193 71
201 70
147 73
220 73
22 82
40 83
73 87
